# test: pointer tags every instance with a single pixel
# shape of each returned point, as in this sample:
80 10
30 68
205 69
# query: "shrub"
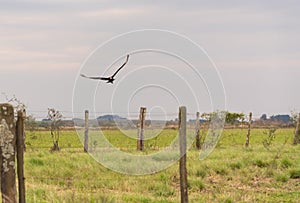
282 178
199 185
261 164
201 173
236 165
270 137
36 162
295 174
221 171
286 163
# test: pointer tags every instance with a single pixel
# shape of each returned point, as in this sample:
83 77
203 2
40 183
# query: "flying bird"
108 79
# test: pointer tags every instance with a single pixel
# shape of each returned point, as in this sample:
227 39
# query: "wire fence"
70 115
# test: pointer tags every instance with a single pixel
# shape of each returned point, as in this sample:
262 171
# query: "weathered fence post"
297 132
86 131
182 162
141 125
249 130
20 154
197 131
7 153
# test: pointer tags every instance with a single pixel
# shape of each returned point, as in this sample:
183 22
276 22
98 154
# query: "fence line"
133 115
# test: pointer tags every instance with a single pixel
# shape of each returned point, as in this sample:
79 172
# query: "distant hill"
111 117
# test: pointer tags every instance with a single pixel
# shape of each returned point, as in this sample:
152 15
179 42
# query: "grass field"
232 173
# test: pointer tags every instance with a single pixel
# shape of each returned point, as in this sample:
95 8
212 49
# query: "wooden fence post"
86 131
141 125
197 131
249 130
297 132
7 153
182 162
20 154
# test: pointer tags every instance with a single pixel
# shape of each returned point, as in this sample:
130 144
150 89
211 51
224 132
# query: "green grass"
231 173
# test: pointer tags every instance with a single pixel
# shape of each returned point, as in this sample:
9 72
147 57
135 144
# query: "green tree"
233 118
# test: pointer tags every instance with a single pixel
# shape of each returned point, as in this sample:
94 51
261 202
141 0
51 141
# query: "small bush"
36 162
198 185
270 173
40 193
295 174
201 173
236 165
163 178
282 178
270 137
261 164
286 163
221 171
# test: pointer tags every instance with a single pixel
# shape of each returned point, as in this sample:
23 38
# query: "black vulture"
108 79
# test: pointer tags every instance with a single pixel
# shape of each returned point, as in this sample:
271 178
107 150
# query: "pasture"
231 173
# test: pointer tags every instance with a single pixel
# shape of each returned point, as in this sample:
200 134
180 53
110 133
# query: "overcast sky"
254 44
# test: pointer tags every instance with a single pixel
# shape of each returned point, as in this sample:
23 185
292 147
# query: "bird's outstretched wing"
121 66
109 79
95 78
